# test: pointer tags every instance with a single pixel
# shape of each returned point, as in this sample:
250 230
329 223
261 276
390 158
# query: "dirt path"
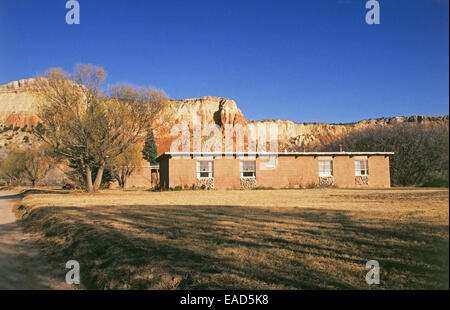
21 265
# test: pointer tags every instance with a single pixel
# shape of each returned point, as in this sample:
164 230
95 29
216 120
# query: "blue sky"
304 60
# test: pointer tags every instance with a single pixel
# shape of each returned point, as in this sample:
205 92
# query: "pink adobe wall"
289 172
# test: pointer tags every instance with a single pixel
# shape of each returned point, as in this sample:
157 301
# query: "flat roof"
275 153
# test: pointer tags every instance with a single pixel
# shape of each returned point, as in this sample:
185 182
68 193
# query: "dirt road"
21 265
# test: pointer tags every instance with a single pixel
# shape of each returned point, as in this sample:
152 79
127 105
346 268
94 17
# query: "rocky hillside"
16 103
17 115
298 135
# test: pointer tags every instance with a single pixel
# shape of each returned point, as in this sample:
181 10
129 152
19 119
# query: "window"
204 169
361 167
248 168
325 168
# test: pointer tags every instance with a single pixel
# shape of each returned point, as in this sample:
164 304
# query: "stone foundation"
248 183
362 180
326 181
208 183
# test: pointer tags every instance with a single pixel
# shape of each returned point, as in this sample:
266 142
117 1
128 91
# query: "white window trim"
358 171
241 169
210 172
328 173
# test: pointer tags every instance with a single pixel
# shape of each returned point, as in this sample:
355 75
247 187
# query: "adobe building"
228 170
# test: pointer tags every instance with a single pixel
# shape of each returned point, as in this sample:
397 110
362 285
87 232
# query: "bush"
437 182
261 188
6 128
312 185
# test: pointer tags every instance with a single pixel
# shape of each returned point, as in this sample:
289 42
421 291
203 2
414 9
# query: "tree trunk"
119 179
89 185
98 177
125 179
122 178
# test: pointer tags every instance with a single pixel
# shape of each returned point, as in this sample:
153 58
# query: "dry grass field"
265 239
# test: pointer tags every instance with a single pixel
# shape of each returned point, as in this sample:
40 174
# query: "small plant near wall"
262 187
312 185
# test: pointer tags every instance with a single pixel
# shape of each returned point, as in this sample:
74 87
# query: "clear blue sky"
304 60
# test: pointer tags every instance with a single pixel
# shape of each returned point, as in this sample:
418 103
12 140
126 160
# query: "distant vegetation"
29 165
421 151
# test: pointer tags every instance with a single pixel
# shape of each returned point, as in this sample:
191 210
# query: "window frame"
210 170
329 170
360 168
242 172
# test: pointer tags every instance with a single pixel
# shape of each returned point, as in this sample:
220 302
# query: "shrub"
312 185
7 128
262 187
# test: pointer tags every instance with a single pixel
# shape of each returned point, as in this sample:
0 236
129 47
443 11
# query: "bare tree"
11 167
36 162
126 164
86 125
30 164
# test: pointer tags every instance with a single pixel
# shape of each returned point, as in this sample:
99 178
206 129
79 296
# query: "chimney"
340 148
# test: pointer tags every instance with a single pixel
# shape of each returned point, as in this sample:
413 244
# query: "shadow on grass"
201 247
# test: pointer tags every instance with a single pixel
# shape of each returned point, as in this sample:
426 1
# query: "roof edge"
273 153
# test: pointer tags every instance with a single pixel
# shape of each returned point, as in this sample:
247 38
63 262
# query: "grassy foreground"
271 239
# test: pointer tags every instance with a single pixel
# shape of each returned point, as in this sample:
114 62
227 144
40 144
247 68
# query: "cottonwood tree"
124 165
27 164
89 126
78 174
36 162
11 167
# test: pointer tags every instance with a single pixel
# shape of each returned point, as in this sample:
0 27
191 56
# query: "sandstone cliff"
16 103
17 99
